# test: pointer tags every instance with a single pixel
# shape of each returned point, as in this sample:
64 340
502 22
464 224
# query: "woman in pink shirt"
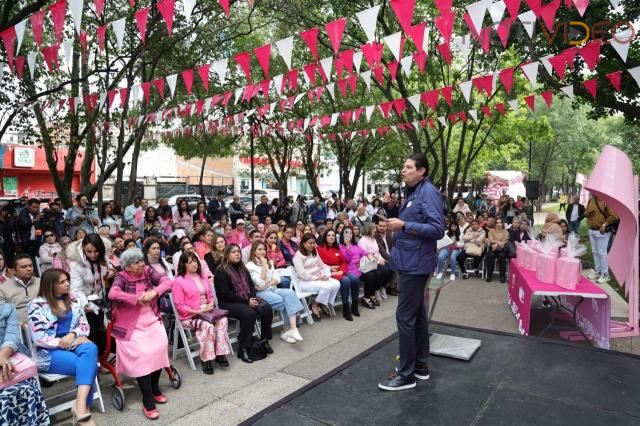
239 236
205 243
370 246
352 254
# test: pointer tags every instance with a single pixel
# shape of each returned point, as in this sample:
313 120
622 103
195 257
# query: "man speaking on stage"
416 230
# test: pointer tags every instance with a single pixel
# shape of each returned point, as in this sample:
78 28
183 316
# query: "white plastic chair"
302 295
54 378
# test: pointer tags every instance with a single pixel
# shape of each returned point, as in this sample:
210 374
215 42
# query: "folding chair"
302 295
36 261
189 347
54 378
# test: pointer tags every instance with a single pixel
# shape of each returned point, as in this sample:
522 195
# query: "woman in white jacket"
48 250
314 276
452 250
89 269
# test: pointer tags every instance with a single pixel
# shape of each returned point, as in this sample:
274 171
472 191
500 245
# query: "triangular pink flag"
20 66
447 94
506 77
50 54
503 30
83 42
581 6
167 10
548 97
420 59
342 85
187 77
378 73
37 20
159 83
132 3
101 34
591 54
500 108
8 37
486 111
142 16
463 116
614 78
485 39
531 102
416 33
146 90
558 63
513 6
370 54
310 71
224 4
483 84
444 24
335 31
99 7
244 60
570 54
385 107
445 51
548 14
263 55
591 85
444 5
292 78
123 95
58 11
111 96
264 87
393 69
203 72
404 10
310 37
535 6
399 105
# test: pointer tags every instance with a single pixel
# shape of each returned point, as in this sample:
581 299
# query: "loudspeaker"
533 189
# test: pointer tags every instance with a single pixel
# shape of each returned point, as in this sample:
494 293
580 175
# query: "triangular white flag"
531 72
298 97
368 19
326 65
635 73
188 8
220 68
406 64
374 132
366 76
75 7
285 49
331 88
465 88
2 65
306 123
31 61
277 84
394 128
547 64
67 48
568 90
528 20
171 80
477 11
19 27
497 11
272 107
393 42
307 82
368 112
103 98
474 114
443 121
357 60
615 3
334 118
514 104
463 44
238 95
118 29
622 47
135 93
415 101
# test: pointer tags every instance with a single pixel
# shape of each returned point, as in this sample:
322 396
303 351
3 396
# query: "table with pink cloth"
588 306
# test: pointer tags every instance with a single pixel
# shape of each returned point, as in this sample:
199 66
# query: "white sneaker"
604 279
452 277
591 274
296 335
383 293
439 276
287 337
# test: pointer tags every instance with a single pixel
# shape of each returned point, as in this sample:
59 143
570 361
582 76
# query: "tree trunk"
202 167
133 174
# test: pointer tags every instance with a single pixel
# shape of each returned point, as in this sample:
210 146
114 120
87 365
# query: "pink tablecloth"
592 316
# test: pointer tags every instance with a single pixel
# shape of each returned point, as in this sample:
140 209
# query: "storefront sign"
24 157
10 186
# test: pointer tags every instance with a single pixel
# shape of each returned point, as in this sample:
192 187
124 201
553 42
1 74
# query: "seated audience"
254 236
196 305
498 239
48 250
201 215
142 345
213 259
239 236
22 287
370 246
153 257
59 328
473 248
451 252
204 244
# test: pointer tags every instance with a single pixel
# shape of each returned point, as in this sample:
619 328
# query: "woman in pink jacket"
141 349
193 298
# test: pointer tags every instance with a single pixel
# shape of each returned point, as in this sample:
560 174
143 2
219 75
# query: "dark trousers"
413 325
97 330
491 257
149 386
248 317
371 281
463 256
385 274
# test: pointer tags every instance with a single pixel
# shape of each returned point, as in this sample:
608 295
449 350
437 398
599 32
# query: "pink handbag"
24 369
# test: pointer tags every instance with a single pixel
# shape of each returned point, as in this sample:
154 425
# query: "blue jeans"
443 255
283 300
574 226
82 363
349 283
599 244
285 282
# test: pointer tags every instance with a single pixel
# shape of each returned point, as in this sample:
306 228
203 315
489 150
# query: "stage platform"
511 380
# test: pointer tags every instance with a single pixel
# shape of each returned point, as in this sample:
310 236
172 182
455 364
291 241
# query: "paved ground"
234 394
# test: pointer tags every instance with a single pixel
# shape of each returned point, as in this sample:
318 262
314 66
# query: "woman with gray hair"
141 349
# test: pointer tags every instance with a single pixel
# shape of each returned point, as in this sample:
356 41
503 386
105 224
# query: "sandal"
325 310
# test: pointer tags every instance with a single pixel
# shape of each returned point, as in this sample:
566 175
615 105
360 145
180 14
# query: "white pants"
327 290
599 244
